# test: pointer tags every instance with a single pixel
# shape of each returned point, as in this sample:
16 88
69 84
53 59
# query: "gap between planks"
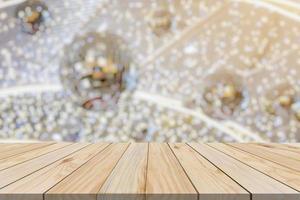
156 171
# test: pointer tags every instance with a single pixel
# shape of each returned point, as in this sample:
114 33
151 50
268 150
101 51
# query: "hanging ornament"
223 94
160 20
33 15
95 67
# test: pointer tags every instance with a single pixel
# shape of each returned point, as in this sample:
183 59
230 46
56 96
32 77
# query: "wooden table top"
155 171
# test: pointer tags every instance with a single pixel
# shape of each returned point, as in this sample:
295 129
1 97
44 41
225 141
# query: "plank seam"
36 156
291 148
74 170
112 171
258 169
26 151
43 167
270 149
198 194
279 146
146 171
19 147
271 152
220 169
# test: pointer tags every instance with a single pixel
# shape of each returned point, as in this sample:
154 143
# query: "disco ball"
160 20
281 100
223 95
33 15
95 68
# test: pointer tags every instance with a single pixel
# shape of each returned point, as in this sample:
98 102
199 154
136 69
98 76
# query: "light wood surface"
261 186
282 157
5 147
20 158
207 178
149 171
297 145
86 182
280 173
35 184
129 175
165 177
287 147
16 149
279 149
17 172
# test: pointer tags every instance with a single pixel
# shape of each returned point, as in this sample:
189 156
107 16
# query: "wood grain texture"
278 172
34 186
262 187
277 149
20 158
18 149
297 145
86 182
148 171
128 179
8 146
281 146
19 171
165 177
278 156
210 182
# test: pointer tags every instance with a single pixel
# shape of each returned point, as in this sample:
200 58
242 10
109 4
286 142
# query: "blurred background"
141 70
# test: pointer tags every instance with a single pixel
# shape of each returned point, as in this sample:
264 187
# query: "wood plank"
18 149
210 182
8 146
278 172
20 158
86 182
128 179
277 149
283 158
165 177
282 147
17 172
297 145
261 186
33 186
172 171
